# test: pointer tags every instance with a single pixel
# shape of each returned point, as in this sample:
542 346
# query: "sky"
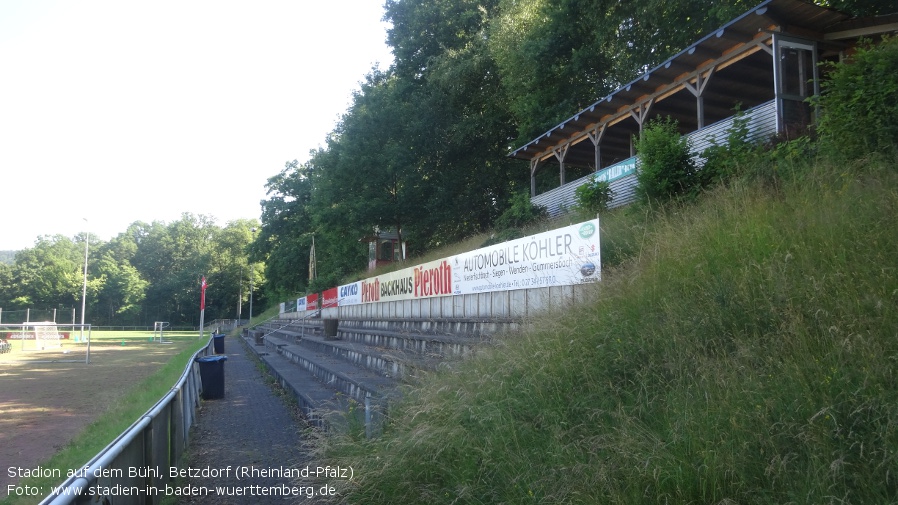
116 111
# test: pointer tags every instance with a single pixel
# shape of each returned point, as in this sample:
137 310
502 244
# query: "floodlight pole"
84 289
250 318
240 297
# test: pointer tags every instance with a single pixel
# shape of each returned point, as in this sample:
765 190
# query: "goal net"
159 328
46 336
43 342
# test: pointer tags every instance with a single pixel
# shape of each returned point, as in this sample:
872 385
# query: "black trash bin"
212 375
260 337
218 343
330 328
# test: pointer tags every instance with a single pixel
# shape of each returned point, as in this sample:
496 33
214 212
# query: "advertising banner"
329 298
388 287
618 171
562 257
350 294
312 302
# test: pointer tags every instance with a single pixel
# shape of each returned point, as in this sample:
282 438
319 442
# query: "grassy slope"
742 350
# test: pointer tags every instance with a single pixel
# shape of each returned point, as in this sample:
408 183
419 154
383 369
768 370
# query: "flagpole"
313 262
202 305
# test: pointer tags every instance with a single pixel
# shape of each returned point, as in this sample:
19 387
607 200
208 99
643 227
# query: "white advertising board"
561 257
350 294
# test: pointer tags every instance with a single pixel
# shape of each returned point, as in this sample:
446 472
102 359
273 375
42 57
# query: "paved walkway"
252 431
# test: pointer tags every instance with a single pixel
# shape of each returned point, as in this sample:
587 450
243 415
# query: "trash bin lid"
211 359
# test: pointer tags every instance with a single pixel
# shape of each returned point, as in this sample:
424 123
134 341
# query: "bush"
666 168
722 161
859 102
594 196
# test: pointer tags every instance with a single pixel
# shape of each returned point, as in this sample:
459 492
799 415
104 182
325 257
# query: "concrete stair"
353 377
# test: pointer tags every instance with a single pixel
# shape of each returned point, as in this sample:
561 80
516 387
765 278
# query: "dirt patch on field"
43 406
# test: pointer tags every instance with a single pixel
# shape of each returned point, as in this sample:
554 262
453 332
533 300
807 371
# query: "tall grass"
741 350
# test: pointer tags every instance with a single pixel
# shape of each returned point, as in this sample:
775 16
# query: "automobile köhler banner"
561 257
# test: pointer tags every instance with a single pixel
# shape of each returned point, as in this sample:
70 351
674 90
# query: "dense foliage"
422 150
860 101
423 147
594 196
740 349
666 166
149 273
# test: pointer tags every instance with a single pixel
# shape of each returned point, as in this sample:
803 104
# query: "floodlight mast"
251 269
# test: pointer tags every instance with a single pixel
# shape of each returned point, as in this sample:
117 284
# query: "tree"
862 8
7 285
557 57
175 256
51 273
121 292
230 270
148 273
284 238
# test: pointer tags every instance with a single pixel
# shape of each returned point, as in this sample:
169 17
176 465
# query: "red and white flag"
203 294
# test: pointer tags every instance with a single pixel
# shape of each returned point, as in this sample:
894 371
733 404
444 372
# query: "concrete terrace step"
293 329
445 326
425 344
396 363
359 373
346 377
318 402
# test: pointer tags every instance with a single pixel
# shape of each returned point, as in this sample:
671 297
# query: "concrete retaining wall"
518 304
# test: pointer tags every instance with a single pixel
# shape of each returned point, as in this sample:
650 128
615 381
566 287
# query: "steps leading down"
354 376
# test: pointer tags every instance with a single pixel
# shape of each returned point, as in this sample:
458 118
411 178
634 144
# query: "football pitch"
54 405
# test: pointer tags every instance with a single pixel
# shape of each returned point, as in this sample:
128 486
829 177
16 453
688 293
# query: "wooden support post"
560 154
596 137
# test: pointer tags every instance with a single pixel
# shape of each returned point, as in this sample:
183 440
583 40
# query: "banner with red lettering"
562 257
329 298
312 302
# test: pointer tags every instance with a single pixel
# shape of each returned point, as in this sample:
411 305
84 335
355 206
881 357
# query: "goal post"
159 328
44 342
